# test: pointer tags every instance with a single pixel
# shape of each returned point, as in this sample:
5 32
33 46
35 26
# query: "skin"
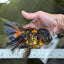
42 19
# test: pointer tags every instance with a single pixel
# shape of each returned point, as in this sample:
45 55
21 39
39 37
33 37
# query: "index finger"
30 25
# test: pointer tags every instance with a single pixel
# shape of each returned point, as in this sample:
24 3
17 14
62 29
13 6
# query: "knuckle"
39 13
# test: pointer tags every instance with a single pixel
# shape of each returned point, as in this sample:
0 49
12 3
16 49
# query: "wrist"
60 22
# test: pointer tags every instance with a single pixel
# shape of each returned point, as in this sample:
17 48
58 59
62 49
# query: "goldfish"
27 38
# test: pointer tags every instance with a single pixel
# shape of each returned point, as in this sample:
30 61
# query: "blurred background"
11 10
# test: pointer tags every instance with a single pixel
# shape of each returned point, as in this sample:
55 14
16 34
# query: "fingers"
30 25
29 15
33 15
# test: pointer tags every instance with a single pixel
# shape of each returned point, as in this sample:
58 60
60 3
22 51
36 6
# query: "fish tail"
27 53
13 32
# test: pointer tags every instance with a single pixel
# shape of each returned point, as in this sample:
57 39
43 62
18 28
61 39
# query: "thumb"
29 15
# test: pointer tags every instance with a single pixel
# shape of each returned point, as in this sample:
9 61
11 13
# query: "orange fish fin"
12 30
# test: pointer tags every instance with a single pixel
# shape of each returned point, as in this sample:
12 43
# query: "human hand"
41 19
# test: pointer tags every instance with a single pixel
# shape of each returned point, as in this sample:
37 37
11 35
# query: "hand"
42 19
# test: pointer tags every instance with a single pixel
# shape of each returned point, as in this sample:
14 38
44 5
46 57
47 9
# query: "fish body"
20 37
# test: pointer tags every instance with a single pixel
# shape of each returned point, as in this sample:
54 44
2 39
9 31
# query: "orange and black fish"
29 38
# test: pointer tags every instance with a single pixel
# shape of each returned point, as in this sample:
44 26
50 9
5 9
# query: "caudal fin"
13 32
